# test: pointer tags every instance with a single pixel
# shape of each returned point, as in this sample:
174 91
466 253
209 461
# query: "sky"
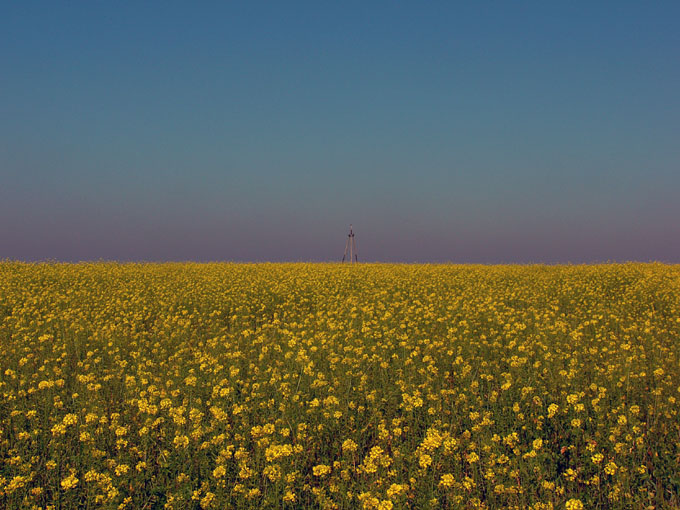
487 132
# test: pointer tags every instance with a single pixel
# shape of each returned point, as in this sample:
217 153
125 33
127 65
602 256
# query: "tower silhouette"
351 246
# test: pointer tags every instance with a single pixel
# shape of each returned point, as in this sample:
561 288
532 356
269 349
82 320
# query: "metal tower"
351 246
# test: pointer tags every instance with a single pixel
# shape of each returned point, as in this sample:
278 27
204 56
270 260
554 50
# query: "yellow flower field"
337 386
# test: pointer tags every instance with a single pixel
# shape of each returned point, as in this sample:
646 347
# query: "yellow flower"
425 460
349 446
58 430
395 490
122 469
272 472
181 441
321 470
611 468
207 500
18 482
574 504
597 458
69 482
446 480
70 419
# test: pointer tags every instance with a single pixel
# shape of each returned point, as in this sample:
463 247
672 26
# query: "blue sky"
487 132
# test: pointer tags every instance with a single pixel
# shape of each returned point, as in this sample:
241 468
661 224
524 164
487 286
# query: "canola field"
369 386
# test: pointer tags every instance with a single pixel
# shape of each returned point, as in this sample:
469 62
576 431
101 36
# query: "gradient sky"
488 132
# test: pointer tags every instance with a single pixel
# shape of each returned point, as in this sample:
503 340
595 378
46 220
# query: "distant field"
330 386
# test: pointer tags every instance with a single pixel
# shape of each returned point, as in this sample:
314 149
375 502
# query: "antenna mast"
351 246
